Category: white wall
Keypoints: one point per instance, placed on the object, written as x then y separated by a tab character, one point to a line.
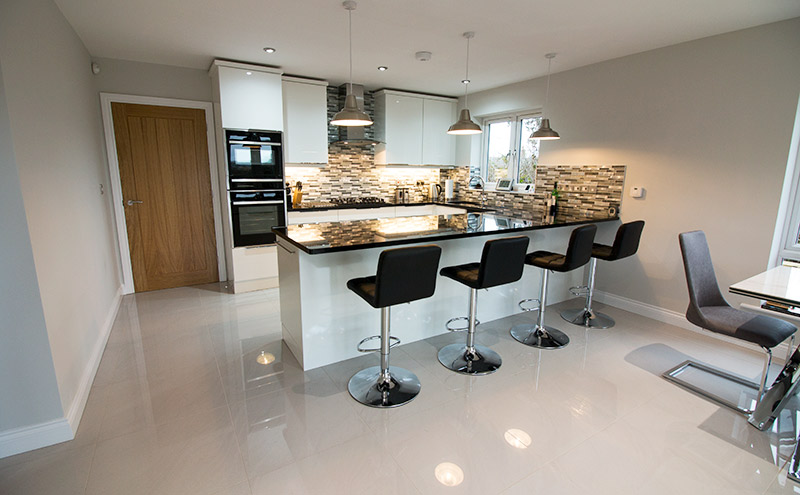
703	126
143	79
28	392
54	112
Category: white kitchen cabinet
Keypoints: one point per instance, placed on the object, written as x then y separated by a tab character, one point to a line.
305	118
249	96
313	216
438	147
255	268
412	129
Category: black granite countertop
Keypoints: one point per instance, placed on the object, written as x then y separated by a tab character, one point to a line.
319	238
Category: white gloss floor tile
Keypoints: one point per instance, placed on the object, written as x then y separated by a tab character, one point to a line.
180	404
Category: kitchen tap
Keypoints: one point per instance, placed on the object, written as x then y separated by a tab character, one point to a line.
483	188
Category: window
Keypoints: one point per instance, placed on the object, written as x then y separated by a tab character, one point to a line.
786	239
507	151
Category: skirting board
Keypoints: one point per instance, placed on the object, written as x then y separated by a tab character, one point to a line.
676	319
63	429
79	402
34	437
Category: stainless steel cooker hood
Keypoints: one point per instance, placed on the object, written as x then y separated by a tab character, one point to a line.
354	134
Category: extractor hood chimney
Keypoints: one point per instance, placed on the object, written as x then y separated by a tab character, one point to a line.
354	134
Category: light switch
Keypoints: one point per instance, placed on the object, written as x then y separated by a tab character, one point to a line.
637	192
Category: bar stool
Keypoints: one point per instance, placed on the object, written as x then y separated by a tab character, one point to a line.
404	275
626	243
501	263
579	251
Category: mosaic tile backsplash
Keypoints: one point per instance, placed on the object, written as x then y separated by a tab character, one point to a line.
351	173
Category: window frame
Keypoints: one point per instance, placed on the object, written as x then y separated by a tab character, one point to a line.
515	119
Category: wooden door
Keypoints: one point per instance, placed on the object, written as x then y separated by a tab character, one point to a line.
166	189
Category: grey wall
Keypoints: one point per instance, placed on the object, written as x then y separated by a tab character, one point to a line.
28	392
54	115
704	127
143	79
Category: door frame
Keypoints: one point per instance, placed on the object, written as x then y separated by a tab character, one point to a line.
116	184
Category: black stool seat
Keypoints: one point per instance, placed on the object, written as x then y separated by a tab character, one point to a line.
579	251
502	262
466	274
626	243
403	275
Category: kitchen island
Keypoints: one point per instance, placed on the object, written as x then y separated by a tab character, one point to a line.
323	321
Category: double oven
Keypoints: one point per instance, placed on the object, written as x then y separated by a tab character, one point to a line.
255	185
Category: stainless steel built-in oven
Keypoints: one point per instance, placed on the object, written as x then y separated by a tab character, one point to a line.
254	156
254	212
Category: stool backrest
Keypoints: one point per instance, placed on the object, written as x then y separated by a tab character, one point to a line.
700	277
579	250
626	243
406	274
502	261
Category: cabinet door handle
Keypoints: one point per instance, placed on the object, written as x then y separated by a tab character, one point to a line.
132	202
284	247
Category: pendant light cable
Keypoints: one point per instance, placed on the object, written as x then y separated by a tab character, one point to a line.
545	132
350	35
351	114
465	125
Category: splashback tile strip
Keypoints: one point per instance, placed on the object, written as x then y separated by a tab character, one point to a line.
352	173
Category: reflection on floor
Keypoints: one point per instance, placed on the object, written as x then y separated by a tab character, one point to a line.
197	395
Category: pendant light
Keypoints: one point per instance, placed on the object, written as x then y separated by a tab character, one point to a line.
465	125
544	132
351	115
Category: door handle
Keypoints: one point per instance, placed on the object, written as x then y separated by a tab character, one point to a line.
132	202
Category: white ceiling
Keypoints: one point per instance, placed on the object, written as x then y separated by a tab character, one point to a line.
511	39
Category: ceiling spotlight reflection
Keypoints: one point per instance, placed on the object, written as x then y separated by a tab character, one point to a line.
518	438
265	358
449	474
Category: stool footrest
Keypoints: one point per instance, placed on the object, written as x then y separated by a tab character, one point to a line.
579	290
526	301
395	342
459	329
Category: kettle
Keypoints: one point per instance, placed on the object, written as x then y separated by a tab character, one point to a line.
434	191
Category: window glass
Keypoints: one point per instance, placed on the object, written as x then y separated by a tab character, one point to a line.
528	150
498	151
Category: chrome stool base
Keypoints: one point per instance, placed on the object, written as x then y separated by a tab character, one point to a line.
456	357
588	319
540	337
367	387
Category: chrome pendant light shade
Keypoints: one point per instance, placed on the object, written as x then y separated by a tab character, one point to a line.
544	132
351	115
465	125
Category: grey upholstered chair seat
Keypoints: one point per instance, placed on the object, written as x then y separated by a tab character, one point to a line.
763	330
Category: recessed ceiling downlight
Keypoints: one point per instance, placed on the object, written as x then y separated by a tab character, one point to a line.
383	68
269	49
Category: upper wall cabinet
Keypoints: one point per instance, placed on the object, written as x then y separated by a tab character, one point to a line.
413	129
249	95
305	119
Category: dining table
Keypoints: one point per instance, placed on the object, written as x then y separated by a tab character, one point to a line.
779	287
